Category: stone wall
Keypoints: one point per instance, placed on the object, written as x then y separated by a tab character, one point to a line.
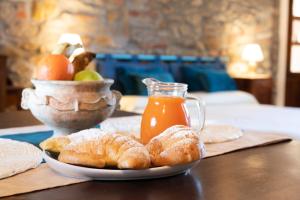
30	28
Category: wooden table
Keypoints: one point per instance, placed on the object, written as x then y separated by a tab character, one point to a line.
270	172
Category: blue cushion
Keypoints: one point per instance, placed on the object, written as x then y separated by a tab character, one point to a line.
109	67
137	77
34	138
210	80
176	68
128	86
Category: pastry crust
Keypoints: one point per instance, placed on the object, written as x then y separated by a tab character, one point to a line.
108	150
85	153
176	145
96	148
55	144
100	150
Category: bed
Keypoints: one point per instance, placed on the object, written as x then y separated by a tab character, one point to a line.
233	107
135	103
244	111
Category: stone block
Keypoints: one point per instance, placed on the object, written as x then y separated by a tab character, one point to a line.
43	9
30	29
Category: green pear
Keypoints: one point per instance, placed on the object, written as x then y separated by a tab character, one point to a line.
87	75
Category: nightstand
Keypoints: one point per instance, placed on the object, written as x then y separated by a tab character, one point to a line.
10	96
260	86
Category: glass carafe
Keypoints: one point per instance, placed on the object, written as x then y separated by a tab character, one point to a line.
167	106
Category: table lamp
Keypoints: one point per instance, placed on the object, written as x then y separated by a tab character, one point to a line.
252	53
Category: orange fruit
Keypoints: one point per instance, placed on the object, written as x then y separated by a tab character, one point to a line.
54	67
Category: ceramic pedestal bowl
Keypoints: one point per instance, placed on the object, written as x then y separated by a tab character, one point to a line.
71	106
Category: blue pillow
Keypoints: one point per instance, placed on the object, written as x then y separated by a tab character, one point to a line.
210	80
185	74
141	88
127	83
189	77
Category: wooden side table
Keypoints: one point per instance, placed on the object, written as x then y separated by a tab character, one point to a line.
10	96
260	87
2	82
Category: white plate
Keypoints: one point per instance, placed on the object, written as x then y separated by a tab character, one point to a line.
114	174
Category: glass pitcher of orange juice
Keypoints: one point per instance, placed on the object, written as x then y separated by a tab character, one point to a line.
167	107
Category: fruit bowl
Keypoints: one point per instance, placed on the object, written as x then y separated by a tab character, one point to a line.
70	106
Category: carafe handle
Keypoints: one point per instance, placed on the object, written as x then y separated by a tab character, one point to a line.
200	112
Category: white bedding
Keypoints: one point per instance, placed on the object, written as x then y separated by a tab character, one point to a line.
238	109
283	120
137	103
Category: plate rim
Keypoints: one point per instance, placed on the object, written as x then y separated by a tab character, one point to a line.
116	171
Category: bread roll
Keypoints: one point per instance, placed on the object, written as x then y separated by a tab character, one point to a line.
55	144
176	145
97	148
108	150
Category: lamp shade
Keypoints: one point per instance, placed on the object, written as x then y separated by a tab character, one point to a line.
296	8
252	53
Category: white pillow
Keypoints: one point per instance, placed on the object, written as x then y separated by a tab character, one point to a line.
134	103
226	98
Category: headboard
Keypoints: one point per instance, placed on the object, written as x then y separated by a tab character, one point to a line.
107	64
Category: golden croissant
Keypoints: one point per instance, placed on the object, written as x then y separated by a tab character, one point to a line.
102	150
95	148
176	145
55	144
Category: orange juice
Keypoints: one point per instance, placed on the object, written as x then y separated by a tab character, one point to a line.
161	113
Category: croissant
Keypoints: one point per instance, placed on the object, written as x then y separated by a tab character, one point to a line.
55	144
96	148
176	145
